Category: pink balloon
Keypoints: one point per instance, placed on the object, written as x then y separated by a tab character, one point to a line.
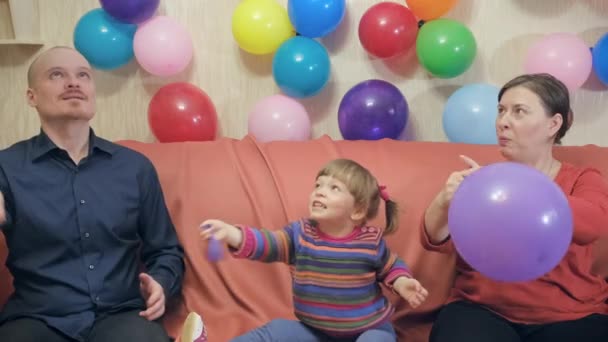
563	55
279	117
162	46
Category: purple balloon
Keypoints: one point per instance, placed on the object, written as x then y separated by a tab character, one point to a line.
372	110
510	222
130	11
215	250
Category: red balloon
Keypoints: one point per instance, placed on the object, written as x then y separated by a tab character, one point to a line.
182	112
388	29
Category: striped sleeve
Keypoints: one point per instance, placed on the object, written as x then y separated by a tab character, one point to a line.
268	245
390	266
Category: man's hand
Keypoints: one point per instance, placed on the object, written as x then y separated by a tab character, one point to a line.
411	290
154	295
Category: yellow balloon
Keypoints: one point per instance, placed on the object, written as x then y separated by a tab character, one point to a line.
261	26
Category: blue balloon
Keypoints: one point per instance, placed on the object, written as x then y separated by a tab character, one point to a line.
600	59
104	41
316	18
301	67
469	115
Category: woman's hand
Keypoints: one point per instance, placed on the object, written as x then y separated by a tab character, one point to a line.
436	215
455	179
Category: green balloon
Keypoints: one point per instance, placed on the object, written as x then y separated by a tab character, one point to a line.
445	47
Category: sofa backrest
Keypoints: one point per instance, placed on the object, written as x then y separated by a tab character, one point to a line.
242	181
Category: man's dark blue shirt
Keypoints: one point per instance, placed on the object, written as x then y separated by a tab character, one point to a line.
79	235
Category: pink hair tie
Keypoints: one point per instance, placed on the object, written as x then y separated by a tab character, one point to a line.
383	192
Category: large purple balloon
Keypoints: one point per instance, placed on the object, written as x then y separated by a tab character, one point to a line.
130	11
372	110
510	222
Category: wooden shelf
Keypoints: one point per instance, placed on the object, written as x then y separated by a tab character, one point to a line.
25	19
21	42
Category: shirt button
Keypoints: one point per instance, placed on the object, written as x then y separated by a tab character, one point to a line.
97	299
82	202
91	267
86	235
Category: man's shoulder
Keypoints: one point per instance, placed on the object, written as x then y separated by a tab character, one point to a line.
17	151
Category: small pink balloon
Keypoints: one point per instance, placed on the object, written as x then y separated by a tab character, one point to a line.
563	55
279	117
162	46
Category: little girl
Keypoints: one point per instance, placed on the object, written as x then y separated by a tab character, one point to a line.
338	261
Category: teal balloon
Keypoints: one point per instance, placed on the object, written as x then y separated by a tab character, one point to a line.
104	41
469	115
301	67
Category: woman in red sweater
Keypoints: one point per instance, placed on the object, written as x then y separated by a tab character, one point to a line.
569	302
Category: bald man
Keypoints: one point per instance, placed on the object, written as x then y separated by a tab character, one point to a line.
81	217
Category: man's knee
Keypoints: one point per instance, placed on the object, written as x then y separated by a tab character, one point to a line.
128	326
29	330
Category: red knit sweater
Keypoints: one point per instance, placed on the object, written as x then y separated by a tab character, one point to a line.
570	291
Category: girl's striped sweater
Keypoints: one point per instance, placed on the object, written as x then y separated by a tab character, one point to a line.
335	280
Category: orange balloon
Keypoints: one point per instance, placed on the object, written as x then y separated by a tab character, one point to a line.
430	9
